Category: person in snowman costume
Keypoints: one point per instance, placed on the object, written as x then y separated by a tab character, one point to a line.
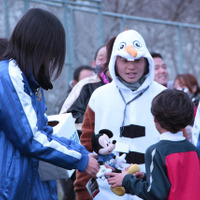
123	107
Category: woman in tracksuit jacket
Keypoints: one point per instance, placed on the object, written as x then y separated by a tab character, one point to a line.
36	49
123	106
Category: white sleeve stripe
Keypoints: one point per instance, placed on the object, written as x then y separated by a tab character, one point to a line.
42	139
16	78
151	169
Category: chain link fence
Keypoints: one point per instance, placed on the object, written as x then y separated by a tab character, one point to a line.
88	27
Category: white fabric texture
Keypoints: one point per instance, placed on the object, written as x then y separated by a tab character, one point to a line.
196	127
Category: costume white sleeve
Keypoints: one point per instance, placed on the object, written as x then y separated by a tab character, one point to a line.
196	127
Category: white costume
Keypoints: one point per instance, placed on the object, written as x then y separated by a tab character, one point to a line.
114	105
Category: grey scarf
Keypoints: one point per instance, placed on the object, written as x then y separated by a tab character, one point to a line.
133	86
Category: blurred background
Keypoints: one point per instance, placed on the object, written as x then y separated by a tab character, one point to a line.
170	28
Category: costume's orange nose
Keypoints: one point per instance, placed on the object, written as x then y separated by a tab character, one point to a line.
131	50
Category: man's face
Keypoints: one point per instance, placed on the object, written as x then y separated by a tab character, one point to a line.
130	71
161	74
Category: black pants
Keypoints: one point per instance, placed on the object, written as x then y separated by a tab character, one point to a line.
68	187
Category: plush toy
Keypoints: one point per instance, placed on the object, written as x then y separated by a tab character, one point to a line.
103	146
120	191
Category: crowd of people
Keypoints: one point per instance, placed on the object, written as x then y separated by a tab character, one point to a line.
127	90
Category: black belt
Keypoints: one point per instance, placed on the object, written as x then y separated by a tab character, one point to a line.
134	157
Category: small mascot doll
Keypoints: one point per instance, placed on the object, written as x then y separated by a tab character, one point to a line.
103	146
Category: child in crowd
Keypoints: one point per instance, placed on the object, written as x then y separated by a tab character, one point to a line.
172	164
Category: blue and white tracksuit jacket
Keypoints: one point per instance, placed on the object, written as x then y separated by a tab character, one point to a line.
25	138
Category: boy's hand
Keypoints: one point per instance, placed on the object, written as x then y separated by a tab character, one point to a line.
139	174
103	170
135	171
115	179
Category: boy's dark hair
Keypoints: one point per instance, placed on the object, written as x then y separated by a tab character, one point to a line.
78	70
173	109
156	55
38	46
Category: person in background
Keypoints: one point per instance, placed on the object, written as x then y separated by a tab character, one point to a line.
161	74
3	45
35	55
99	59
123	107
76	102
79	74
195	131
172	164
189	84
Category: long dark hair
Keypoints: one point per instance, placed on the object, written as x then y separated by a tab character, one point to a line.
3	45
38	46
109	46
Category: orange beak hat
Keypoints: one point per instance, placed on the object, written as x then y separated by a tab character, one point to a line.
130	45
